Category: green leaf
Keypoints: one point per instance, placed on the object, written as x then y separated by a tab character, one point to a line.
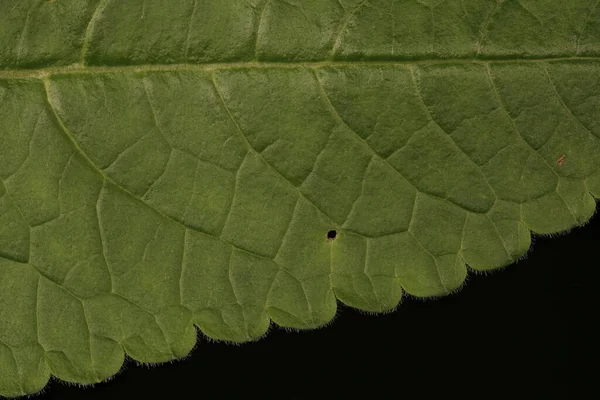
172	164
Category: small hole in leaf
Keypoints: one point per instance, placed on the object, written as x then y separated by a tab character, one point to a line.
331	235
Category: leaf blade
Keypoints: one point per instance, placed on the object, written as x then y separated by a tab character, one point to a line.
161	183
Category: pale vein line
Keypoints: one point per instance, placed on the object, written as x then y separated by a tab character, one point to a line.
392	4
19	374
318	158
15	203
79	299
230	276
189	30
237	300
300	194
153	111
510	257
60	184
99	171
194	192
153	314
339	118
462	238
512	121
485	27
19	48
172	148
259	28
308	304
37	307
151	241
73	267
288	229
593	10
435	262
160	177
29	226
183	263
433	32
75	144
42	73
577	121
422	100
253	150
530	13
464	9
408	231
499	99
562	102
412	212
87	325
29	145
235	186
336	114
368	241
362	191
338	37
82	301
87	159
89	30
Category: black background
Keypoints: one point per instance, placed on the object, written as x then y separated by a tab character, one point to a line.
527	330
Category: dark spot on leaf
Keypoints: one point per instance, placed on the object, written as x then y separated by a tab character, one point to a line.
331	235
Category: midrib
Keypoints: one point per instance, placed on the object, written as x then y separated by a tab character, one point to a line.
81	69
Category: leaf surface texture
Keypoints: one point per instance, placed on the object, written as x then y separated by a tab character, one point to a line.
172	164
